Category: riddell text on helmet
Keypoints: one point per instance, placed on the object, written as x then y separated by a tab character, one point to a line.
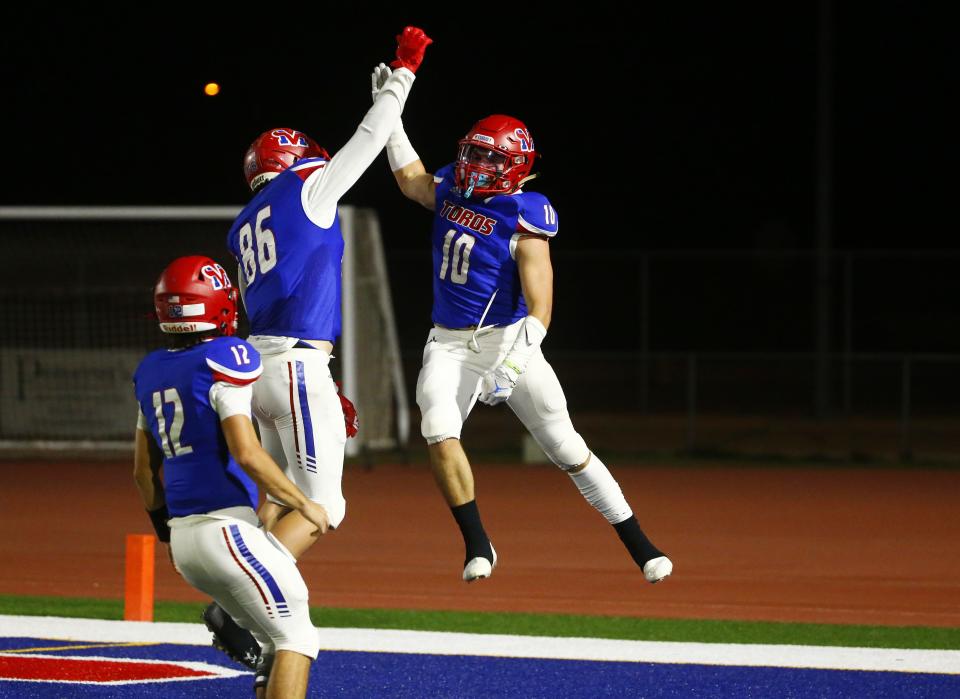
180	327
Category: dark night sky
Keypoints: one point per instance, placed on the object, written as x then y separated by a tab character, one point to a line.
668	128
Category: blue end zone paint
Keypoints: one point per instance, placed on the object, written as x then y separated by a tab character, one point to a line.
411	676
355	675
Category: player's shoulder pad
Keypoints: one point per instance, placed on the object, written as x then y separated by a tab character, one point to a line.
444	174
537	214
233	360
304	168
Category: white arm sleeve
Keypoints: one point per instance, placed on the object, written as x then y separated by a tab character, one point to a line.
142	421
324	187
400	151
228	399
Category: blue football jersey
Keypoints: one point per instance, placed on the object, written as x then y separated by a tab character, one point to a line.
173	390
291	265
473	244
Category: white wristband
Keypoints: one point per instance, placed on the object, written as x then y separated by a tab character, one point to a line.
528	340
400	151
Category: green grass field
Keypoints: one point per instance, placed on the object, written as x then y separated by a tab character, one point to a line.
625	628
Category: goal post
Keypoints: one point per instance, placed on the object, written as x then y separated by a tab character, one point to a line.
74	304
372	366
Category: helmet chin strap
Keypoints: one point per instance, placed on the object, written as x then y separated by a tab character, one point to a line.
527	179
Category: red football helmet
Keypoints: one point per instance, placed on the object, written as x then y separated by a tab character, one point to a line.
495	156
276	150
194	294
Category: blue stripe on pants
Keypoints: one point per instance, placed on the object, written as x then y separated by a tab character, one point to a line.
260	569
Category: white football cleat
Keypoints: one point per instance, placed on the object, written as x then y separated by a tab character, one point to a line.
654	570
479	567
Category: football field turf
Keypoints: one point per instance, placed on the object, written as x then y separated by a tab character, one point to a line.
79	648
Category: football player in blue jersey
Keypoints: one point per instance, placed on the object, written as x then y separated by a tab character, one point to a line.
289	247
493	300
197	463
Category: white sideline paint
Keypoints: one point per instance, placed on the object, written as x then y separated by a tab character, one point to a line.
445	643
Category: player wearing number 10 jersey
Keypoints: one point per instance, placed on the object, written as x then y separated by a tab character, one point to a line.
493	301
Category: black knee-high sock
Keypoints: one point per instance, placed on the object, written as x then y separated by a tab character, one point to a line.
475	539
636	541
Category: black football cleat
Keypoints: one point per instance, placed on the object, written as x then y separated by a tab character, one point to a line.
234	640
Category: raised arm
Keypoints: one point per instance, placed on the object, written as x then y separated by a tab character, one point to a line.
411	174
324	188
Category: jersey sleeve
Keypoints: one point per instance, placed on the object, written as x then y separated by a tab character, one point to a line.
443	182
228	399
537	215
233	361
444	175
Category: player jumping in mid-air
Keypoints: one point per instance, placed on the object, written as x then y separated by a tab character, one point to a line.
288	245
194	423
493	299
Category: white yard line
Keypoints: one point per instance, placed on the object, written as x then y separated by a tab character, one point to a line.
445	643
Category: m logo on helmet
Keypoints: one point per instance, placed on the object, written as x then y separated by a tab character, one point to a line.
217	276
526	143
289	138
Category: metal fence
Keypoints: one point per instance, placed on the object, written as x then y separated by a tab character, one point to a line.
673	350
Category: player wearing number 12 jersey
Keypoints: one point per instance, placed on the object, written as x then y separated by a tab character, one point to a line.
194	426
493	300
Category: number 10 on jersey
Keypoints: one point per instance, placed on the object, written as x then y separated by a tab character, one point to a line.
457	261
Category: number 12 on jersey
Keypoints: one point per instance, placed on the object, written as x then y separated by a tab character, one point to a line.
170	441
457	261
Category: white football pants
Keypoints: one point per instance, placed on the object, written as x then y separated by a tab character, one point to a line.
226	555
301	424
449	384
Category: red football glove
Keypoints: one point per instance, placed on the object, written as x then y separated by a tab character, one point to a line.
411	43
350	418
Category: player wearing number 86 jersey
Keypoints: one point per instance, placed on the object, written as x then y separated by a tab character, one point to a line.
289	247
289	254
